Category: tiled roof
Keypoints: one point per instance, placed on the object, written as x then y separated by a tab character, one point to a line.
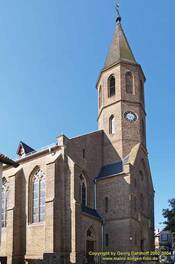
110	170
90	211
6	160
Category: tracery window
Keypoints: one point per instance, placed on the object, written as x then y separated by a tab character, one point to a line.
38	196
112	124
111	86
4	202
83	190
129	82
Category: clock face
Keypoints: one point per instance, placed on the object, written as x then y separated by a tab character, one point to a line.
130	116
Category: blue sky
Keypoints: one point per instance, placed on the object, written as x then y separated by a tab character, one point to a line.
51	53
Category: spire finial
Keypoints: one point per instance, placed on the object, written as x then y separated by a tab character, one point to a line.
117	7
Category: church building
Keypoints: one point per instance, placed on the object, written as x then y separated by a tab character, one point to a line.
89	193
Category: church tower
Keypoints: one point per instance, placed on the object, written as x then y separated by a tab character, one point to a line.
121	110
125	193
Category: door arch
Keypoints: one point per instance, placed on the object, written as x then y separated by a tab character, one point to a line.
90	244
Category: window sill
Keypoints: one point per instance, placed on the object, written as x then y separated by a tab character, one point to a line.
36	224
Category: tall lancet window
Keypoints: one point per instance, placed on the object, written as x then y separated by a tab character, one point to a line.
83	190
38	196
112	124
4	202
129	82
111	86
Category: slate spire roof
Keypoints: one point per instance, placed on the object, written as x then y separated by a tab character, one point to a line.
24	149
120	49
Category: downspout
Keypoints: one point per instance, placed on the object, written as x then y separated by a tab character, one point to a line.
102	222
102	235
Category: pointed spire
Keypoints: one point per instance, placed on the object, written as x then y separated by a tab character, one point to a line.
120	49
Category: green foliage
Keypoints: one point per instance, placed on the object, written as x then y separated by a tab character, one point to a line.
169	214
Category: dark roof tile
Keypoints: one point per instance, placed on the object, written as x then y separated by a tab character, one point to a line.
90	211
110	170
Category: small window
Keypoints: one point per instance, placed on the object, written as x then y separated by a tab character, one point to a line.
106	204
84	153
100	97
135	182
141	175
107	240
129	82
141	91
83	190
112	124
111	86
142	202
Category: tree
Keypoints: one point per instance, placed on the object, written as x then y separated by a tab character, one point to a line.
169	214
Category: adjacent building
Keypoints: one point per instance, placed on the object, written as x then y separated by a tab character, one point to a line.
3	160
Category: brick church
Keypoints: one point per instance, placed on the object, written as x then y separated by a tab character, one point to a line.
89	193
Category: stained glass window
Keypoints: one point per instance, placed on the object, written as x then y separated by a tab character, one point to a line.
38	196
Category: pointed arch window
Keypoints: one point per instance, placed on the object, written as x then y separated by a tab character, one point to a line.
83	190
38	196
100	97
112	124
111	86
129	82
4	202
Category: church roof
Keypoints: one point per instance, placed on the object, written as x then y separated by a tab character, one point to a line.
90	211
110	170
120	49
5	160
27	149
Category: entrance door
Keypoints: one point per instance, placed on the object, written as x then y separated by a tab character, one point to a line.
89	247
142	245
